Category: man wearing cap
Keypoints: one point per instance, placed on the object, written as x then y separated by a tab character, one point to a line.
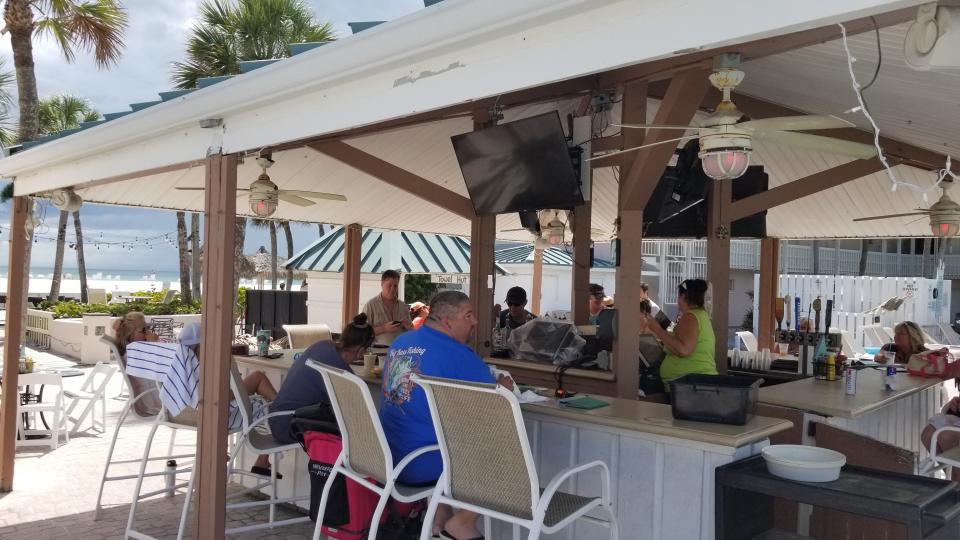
595	303
515	315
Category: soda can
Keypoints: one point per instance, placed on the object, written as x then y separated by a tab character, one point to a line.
851	388
891	371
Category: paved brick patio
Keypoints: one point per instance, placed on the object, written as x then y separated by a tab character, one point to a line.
55	491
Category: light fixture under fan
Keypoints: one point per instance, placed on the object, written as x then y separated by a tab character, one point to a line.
726	142
66	200
264	196
553	232
944	214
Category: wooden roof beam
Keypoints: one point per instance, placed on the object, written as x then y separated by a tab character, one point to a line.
397	177
682	98
802	187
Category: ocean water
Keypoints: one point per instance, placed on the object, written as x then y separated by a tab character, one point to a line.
100	274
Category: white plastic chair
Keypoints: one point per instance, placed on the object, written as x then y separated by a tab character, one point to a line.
258	442
303	335
948	459
360	428
117	297
92	390
849	346
748	339
488	466
97	296
51	382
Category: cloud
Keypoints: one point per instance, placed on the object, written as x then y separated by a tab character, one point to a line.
156	38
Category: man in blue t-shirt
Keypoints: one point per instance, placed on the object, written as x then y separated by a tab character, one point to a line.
437	349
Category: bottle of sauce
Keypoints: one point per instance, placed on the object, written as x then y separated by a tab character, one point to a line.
831	367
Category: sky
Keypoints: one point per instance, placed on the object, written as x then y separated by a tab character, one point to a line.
156	37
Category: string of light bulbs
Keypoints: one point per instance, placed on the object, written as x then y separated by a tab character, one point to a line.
862	107
96	240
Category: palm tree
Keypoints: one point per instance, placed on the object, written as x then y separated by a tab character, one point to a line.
91	25
272	226
64	111
59	113
231	32
288	234
8	135
185	289
195	254
81	262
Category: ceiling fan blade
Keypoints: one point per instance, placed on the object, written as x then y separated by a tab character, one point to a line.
516	230
817	143
635	148
294	199
314	194
653	126
888	216
796	123
189	188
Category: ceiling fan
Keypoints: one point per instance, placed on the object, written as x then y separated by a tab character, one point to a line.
944	214
726	138
264	195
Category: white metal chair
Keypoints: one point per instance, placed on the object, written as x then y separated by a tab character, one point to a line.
849	346
748	339
950	337
365	458
92	390
258	442
937	461
188	419
304	335
874	336
51	382
488	466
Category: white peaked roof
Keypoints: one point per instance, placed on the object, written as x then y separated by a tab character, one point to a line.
374	91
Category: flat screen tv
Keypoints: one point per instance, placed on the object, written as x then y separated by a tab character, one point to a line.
518	166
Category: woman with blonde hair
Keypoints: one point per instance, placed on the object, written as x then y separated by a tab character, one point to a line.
907	341
132	327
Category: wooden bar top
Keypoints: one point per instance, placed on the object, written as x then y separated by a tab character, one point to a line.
828	398
640	416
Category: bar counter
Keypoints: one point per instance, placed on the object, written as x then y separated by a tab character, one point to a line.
661	469
895	417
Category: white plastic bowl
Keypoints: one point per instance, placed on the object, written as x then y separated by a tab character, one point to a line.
803	463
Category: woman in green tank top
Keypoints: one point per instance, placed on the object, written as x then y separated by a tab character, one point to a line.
690	347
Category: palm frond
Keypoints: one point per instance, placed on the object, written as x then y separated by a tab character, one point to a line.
97	26
64	111
229	33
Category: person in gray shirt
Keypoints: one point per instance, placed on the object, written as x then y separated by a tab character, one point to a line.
304	386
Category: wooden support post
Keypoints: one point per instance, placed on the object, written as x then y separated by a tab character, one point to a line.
16	277
718	265
582	130
626	345
353	240
768	294
220	208
580	293
483	231
537	288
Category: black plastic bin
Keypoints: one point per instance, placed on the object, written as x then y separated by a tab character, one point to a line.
723	399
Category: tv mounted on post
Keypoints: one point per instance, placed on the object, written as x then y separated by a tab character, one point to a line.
518	166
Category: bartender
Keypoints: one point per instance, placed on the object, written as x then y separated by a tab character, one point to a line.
389	316
595	303
515	315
